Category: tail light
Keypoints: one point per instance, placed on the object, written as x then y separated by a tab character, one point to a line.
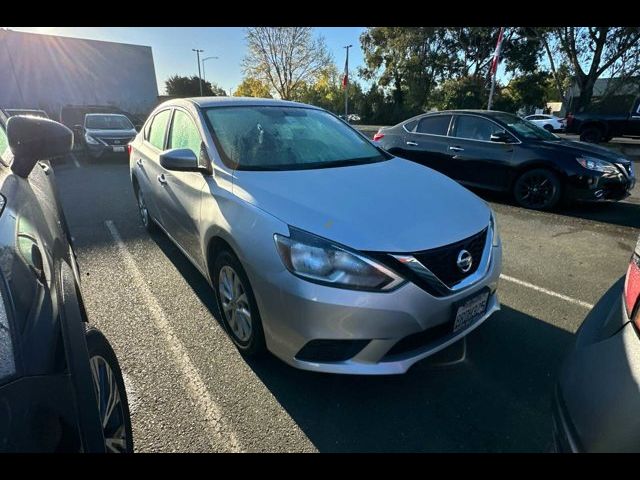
129	149
378	136
632	285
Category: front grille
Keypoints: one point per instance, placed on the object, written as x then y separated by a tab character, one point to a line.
330	350
442	261
116	141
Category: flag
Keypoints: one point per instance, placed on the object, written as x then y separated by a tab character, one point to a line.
496	54
345	78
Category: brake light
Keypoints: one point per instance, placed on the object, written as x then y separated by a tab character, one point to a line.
632	287
378	136
569	119
129	149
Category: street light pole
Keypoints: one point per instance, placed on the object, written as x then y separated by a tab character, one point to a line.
346	84
198	52
204	77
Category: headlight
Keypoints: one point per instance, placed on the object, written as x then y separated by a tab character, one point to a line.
496	233
7	357
90	140
592	163
322	261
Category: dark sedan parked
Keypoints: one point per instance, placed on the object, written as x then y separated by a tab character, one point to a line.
500	151
61	388
597	399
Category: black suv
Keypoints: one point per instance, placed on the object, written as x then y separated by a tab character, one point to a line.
61	388
503	152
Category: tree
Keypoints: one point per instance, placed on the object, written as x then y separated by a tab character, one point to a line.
252	87
464	92
591	52
285	57
190	87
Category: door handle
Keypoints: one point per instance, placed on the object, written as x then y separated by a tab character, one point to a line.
139	162
456	149
45	168
413	144
162	179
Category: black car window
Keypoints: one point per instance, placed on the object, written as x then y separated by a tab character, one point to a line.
184	133
475	128
410	126
158	129
434	125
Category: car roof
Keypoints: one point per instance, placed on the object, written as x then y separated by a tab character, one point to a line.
207	102
105	115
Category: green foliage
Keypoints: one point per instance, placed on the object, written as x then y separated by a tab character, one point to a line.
179	86
252	87
464	92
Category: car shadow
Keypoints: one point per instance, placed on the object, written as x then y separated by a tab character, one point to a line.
496	398
624	213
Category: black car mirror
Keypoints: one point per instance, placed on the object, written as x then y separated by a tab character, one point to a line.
36	138
180	160
501	137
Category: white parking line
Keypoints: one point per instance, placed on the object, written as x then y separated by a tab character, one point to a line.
75	160
211	412
548	292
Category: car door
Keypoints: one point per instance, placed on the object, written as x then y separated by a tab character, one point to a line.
183	190
634	119
473	158
427	144
147	163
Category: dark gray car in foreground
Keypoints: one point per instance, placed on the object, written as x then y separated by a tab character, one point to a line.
61	389
597	398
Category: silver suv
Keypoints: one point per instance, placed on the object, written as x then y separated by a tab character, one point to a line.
320	246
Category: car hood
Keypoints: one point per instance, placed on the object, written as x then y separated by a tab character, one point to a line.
94	132
390	206
583	148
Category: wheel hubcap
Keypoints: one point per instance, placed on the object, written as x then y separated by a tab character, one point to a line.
109	405
235	303
144	213
536	190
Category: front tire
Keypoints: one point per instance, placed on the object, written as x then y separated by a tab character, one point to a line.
110	392
538	189
548	127
237	305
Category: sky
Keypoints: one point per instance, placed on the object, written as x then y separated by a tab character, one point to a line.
172	48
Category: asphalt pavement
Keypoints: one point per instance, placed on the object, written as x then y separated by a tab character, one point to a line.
190	390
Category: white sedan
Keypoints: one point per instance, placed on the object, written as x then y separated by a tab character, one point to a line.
548	122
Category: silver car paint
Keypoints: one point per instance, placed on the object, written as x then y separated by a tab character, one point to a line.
417	209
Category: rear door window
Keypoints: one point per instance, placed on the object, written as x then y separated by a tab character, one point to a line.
434	125
159	128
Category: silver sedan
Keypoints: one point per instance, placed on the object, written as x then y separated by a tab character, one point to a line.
320	246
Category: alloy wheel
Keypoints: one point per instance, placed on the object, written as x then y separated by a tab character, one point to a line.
142	207
235	303
112	415
536	190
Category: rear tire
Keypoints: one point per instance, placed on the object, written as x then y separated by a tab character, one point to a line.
145	216
237	305
592	135
538	189
109	387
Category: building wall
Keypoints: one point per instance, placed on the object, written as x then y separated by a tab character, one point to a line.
47	72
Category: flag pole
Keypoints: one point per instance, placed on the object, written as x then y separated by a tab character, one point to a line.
345	83
494	67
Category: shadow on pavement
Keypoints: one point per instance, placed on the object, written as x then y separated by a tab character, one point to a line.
497	399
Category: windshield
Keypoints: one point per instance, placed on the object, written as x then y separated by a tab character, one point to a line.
287	138
524	128
108	122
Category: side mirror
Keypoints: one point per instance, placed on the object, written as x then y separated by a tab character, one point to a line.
179	160
36	138
501	137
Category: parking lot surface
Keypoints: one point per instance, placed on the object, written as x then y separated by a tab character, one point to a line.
191	391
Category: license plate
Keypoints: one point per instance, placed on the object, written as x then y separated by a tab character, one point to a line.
470	310
118	149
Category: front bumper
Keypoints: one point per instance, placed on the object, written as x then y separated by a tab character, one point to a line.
296	313
597	396
594	187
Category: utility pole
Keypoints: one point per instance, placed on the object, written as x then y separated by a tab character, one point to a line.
198	52
345	84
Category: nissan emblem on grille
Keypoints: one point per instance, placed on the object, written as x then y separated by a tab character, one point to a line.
465	261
